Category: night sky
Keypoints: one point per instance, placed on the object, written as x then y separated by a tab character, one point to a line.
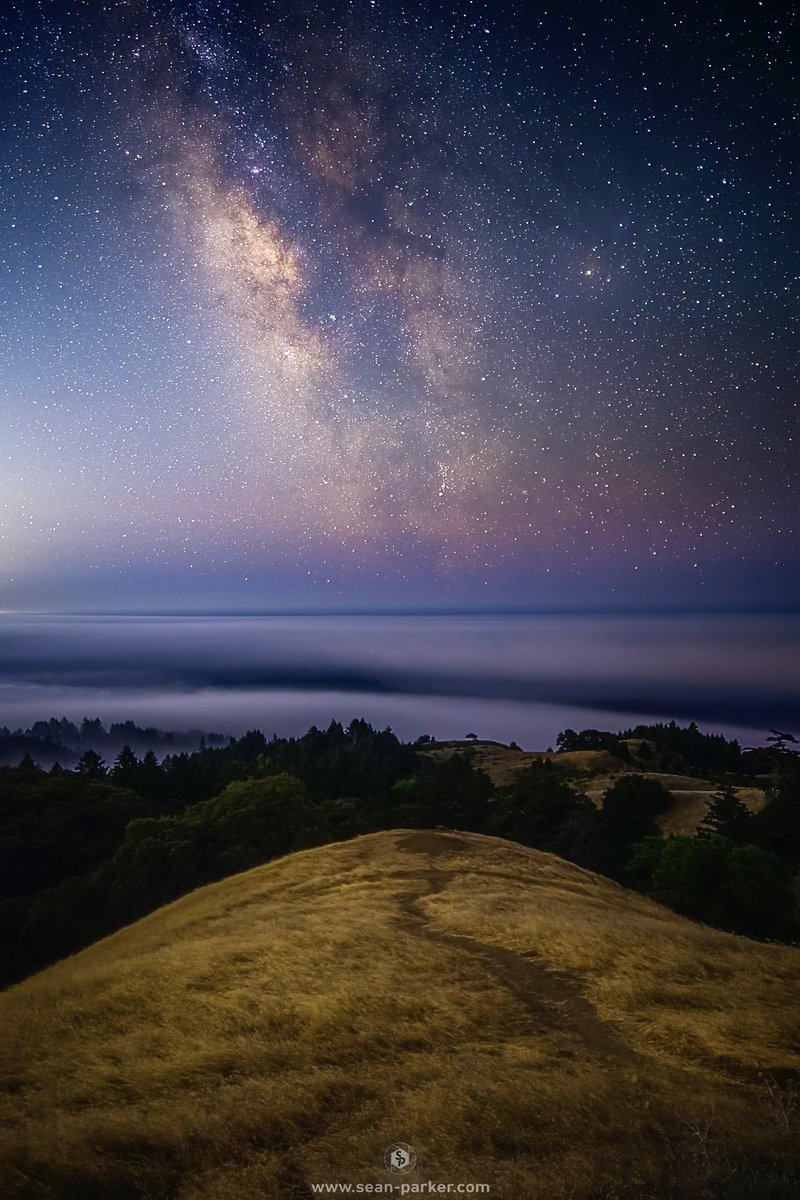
330	306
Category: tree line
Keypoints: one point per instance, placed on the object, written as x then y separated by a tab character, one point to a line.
59	740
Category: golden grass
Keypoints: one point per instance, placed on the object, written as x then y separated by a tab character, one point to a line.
519	1021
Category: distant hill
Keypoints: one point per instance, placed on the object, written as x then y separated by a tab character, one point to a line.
597	770
519	1021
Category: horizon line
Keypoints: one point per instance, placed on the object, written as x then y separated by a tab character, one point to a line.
387	611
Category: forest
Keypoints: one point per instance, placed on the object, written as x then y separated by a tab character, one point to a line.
87	850
62	741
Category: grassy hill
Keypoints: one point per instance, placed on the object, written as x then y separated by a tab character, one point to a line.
519	1021
597	770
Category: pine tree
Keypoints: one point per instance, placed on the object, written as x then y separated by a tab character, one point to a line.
728	817
126	764
91	765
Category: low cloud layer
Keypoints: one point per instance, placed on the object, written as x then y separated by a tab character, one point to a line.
737	671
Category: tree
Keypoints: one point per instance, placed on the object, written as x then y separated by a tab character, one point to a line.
126	764
250	822
628	816
728	817
777	826
685	873
449	791
686	749
783	743
251	745
159	859
592	739
739	888
542	809
91	766
150	779
253	820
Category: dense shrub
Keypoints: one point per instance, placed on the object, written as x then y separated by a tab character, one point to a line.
739	888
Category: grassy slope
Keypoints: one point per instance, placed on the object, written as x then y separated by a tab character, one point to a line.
597	771
518	1020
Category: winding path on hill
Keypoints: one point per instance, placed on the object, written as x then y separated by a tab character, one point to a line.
552	1000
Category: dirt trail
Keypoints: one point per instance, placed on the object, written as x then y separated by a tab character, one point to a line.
552	1001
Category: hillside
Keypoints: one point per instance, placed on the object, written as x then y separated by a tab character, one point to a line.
597	770
519	1021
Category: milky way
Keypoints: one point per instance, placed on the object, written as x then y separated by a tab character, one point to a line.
371	304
